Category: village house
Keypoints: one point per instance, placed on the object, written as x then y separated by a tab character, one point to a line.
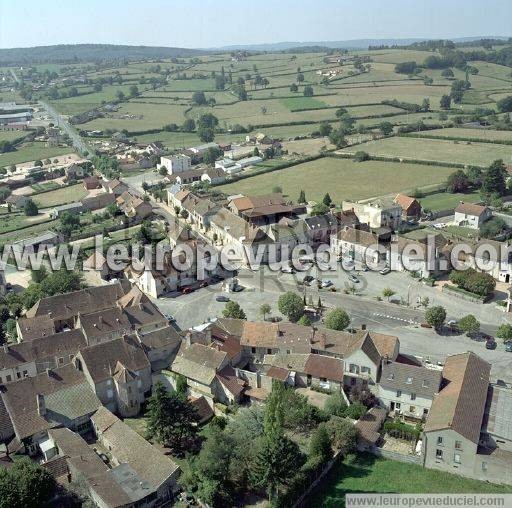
75	172
321	228
119	372
408	390
133	206
71	208
115	187
148	469
463	433
470	215
208	373
378	213
213	176
17	201
178	163
97	202
368	427
91	182
359	245
411	207
33	405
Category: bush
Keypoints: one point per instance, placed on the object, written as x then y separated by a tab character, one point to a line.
337	319
401	430
343	434
335	405
361	156
435	316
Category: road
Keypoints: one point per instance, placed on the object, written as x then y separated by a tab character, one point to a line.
61	122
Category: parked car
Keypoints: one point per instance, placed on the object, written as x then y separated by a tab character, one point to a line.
353	278
186	290
287	269
170	318
308	279
439	225
221	298
508	347
326	283
490	344
385	270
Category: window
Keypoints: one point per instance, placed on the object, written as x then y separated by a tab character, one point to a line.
391	377
458	445
439	440
484	466
399	393
1	381
413	396
61	360
398	405
18	375
456	458
425	383
439	454
353	369
408	381
9	378
425	412
253	350
412	409
269	351
25	373
365	369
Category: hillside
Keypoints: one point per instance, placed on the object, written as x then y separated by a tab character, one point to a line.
67	53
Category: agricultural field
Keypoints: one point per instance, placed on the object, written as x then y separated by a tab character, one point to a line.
462	133
17	220
344	179
60	196
12	135
365	473
481	154
31	152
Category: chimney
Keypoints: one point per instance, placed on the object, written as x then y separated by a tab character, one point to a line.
363	326
41	406
49	372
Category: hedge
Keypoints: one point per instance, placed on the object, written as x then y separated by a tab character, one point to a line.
456	289
454	138
402	430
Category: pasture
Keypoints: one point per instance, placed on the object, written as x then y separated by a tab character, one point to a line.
344	179
60	196
31	152
438	150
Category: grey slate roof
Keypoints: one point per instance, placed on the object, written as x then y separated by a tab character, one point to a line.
410	378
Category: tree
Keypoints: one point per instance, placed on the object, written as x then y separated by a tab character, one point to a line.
264	310
308	91
425	105
294	88
199	98
211	155
388	293
505	105
134	91
320	444
291	305
325	129
300	77
120	96
302	197
469	324
38	275
337	138
447	73
304	320
327	201
170	418
505	332
494	179
337	319
343	434
435	316
30	208
386	128
475	175
319	209
189	125
233	310
335	405
361	156
60	282
206	134
445	102
493	227
457	182
163	171
26	484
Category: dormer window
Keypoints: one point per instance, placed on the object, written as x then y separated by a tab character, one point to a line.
408	381
391	377
425	383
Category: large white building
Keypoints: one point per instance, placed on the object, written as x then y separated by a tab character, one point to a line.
175	163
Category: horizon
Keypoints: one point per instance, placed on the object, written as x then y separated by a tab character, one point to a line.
300	21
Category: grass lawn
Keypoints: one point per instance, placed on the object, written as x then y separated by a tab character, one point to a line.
342	178
45	186
16	220
60	196
447	200
302	103
437	150
20	234
32	152
12	135
368	474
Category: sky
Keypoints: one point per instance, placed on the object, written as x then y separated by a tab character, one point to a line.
215	23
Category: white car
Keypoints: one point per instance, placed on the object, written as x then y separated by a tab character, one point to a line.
326	283
440	225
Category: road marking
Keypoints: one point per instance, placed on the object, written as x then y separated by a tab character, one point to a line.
410	321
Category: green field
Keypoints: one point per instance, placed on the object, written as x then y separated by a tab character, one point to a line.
12	135
368	474
15	220
437	150
344	179
462	133
447	200
301	103
60	196
30	152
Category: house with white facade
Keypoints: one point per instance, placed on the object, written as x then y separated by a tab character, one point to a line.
471	216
